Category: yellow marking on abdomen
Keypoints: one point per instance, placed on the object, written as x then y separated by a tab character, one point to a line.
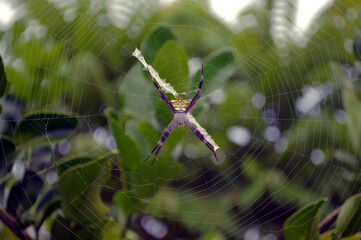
179	104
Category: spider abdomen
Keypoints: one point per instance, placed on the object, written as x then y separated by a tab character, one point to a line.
179	104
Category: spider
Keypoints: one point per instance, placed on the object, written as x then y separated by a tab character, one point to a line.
179	108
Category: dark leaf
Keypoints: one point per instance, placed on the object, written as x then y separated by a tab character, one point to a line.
41	158
47	205
218	67
3	79
24	194
43	128
154	42
71	161
357	47
80	181
6	147
61	229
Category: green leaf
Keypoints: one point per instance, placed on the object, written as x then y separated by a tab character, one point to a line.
129	153
166	169
3	79
252	193
303	224
127	201
142	179
80	187
313	128
155	40
349	219
71	162
329	236
137	94
214	235
163	114
171	62
237	97
129	156
43	80
7	234
96	76
43	128
104	41
195	210
47	205
273	181
50	16
150	134
35	52
112	230
218	67
153	136
353	115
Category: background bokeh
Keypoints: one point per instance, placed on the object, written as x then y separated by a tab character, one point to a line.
79	114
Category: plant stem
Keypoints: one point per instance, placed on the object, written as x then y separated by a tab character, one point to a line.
330	218
11	223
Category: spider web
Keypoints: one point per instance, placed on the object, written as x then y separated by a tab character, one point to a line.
277	143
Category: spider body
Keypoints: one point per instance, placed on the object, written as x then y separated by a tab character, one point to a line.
180	118
180	108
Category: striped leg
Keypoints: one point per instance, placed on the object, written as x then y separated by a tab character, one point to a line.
198	94
161	94
201	137
161	141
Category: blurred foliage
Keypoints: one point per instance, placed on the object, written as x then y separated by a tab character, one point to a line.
79	115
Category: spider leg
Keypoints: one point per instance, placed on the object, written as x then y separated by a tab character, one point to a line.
201	137
166	133
198	94
195	100
161	94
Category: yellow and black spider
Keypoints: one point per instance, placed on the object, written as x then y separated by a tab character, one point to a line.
179	108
